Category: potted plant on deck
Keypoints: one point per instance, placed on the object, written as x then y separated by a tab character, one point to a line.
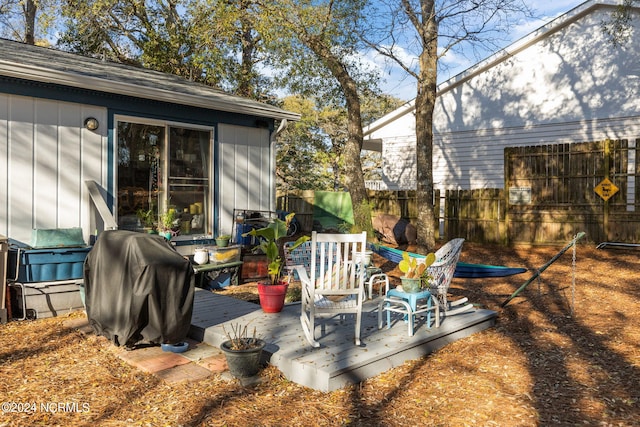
415	272
273	292
243	352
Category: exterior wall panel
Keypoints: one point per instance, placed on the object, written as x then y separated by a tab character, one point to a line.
551	87
46	158
243	171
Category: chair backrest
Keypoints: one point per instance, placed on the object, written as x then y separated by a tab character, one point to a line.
298	256
333	269
443	269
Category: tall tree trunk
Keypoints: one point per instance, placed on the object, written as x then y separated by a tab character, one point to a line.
352	165
354	178
245	75
425	103
29	8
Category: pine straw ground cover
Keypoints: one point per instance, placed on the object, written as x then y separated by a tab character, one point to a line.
554	358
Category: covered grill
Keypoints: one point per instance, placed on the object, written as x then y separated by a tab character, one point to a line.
138	289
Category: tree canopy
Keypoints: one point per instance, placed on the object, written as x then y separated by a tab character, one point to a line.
314	50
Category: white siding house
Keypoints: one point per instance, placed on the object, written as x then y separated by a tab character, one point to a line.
564	83
161	141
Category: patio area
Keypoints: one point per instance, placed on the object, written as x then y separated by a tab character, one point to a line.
338	362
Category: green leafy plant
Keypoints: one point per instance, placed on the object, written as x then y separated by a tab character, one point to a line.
414	269
167	220
147	217
270	237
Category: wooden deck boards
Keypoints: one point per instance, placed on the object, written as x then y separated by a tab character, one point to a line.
338	362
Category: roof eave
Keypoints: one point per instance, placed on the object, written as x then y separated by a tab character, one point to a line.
212	102
406	108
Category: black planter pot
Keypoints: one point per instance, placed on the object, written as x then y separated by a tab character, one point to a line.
243	363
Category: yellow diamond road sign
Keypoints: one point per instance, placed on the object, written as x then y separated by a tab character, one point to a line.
606	189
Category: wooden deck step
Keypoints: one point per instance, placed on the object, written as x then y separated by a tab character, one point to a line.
338	362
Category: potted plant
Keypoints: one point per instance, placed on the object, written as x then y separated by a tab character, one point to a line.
415	272
147	219
167	223
243	352
273	292
223	240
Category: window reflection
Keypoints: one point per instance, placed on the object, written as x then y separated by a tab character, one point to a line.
145	190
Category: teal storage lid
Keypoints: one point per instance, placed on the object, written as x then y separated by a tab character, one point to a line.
57	238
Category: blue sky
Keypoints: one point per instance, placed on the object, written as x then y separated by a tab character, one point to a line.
404	87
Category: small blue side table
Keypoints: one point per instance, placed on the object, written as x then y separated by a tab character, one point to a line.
407	303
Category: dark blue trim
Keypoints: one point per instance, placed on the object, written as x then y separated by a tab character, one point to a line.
111	163
215	176
128	105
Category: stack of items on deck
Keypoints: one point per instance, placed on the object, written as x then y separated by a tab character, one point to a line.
45	276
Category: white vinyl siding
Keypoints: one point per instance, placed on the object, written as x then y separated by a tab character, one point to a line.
479	156
564	83
45	157
244	172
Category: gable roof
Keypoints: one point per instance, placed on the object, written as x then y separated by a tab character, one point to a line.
546	30
47	65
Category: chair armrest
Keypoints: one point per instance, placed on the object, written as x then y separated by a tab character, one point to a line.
377	278
302	274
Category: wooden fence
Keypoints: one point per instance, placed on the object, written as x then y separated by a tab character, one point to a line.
549	196
553	192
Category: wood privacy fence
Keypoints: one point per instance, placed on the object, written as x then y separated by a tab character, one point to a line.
553	192
549	196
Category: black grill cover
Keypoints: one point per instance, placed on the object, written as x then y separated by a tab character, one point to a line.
138	289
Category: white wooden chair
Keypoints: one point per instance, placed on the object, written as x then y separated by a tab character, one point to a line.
301	255
333	284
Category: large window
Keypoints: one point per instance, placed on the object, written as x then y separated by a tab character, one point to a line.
163	168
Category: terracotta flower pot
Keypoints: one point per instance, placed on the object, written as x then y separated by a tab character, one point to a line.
272	296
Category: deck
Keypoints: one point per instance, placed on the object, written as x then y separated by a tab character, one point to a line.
338	362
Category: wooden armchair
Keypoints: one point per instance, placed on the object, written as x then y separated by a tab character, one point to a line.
333	283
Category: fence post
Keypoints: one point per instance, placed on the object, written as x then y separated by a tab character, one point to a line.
605	207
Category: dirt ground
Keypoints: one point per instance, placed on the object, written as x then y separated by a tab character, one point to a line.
565	352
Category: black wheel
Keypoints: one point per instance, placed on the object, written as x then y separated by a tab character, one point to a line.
293	229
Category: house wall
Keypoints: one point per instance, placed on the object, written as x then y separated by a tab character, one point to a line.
562	84
244	172
46	154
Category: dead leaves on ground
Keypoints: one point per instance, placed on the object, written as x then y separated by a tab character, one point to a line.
550	360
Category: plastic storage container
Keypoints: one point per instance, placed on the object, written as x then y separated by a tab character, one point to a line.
46	299
223	255
46	265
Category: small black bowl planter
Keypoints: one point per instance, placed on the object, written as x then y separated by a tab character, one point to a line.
244	362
